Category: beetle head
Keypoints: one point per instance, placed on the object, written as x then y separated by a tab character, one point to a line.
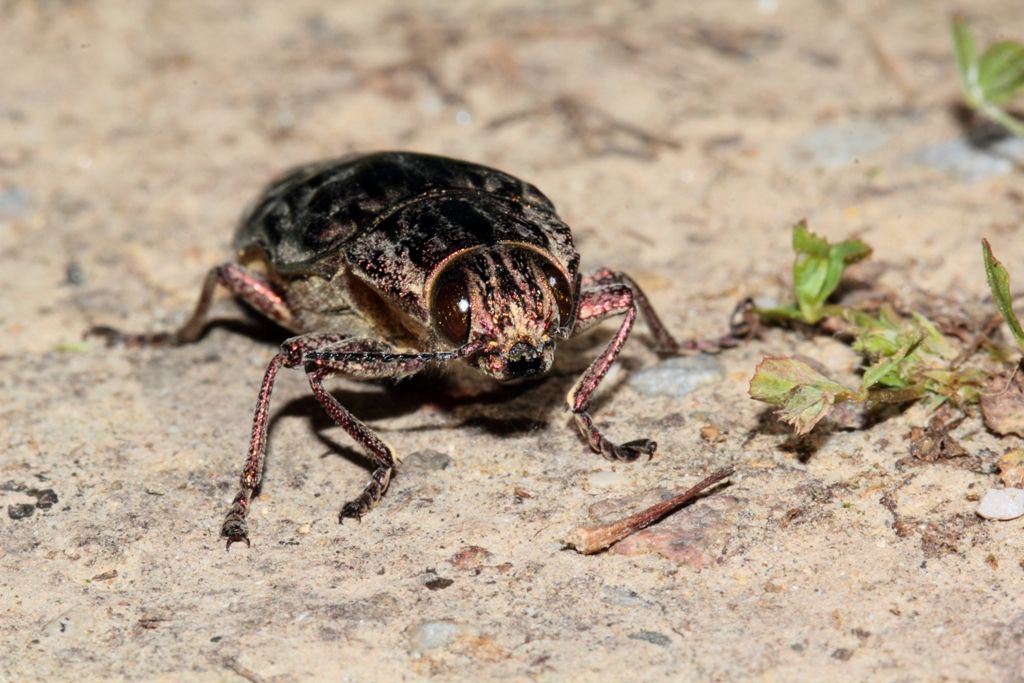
509	300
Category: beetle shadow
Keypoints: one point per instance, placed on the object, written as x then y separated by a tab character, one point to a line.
247	323
497	409
467	399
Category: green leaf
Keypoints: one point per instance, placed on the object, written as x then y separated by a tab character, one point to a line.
818	268
999	283
1001	72
877	372
804	395
806	242
966	58
992	80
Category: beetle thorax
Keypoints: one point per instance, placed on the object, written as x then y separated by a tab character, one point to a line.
508	299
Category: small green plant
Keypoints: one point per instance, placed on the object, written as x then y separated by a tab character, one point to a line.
991	81
999	283
906	356
817	270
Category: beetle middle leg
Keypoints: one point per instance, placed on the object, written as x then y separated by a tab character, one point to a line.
322	355
604	294
240	281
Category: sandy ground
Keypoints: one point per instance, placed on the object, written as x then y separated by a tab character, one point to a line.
680	143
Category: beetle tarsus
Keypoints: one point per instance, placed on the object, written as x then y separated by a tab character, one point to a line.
235	529
368	499
626	452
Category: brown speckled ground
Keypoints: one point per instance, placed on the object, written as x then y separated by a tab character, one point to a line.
680	142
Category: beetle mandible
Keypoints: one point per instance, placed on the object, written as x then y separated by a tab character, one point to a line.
386	263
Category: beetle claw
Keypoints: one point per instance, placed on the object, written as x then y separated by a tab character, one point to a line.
234	531
354	509
632	450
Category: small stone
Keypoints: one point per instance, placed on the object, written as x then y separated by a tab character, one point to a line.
652	637
425	461
73	273
677	377
1011	468
14	202
433	635
20	511
1002	504
839	144
971	162
623	597
45	498
470	557
438	583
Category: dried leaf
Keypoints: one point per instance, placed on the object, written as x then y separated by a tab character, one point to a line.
1011	468
1002	405
803	394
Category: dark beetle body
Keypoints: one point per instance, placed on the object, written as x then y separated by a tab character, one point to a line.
392	220
388	263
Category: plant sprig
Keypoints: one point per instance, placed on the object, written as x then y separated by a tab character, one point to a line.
906	357
990	81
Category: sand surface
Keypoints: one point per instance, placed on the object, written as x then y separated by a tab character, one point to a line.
681	141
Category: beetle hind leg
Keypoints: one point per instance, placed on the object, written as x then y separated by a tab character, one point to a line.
241	282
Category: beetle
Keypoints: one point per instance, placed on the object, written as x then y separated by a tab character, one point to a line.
387	263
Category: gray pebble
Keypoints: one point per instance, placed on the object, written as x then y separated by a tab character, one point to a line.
426	461
1002	504
835	145
432	635
677	377
20	511
651	637
969	162
14	202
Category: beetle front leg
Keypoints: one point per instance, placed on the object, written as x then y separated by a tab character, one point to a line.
605	294
241	282
323	355
596	282
379	452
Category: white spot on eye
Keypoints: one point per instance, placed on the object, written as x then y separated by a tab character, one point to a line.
551	280
463	305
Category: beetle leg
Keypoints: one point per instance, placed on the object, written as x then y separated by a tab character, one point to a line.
380	453
235	528
665	343
241	282
604	294
323	355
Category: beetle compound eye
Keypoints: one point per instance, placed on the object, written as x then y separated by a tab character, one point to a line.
562	292
450	310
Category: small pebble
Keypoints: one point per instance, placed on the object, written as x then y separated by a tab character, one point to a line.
677	377
20	511
1002	504
14	202
835	145
433	635
652	637
969	162
425	461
